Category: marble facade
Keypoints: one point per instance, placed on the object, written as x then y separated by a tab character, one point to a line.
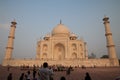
61	47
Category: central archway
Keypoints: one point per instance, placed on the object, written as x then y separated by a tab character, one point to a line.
59	51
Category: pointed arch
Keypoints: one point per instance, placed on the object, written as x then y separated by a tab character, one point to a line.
74	46
59	51
74	55
45	47
44	55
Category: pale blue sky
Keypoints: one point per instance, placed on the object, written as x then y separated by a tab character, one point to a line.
36	18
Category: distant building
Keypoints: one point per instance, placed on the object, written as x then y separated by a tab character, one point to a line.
61	47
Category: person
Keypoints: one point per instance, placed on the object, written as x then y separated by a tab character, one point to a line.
62	78
28	76
34	73
51	70
22	77
9	76
45	73
68	71
87	77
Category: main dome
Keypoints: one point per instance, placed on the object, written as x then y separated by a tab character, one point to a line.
60	29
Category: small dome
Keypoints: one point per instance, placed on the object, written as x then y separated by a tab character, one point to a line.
47	36
73	35
60	29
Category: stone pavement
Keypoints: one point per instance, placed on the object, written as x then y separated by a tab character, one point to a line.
77	74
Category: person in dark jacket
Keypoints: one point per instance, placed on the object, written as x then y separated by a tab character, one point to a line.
9	76
87	77
22	77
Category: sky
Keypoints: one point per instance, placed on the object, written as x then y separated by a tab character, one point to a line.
36	18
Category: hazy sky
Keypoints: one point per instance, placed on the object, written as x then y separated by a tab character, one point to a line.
36	18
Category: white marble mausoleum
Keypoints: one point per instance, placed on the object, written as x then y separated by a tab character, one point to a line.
62	47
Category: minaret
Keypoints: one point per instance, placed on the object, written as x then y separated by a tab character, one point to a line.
11	37
108	34
86	50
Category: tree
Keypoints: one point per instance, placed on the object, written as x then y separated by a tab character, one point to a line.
92	56
105	56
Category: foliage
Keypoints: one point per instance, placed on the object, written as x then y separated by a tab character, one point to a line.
105	56
92	56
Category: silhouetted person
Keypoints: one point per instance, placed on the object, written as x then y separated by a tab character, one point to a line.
87	77
44	73
9	76
28	76
34	73
62	78
22	77
68	71
51	70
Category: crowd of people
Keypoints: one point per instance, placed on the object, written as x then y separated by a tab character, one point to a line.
45	73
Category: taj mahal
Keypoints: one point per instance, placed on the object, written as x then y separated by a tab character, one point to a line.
61	47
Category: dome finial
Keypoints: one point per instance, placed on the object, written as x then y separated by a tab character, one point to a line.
105	16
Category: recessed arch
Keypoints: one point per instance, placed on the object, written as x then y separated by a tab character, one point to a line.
45	47
74	55
74	46
59	51
44	55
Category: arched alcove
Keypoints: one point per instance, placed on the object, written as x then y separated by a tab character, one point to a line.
44	55
74	55
59	51
74	46
45	47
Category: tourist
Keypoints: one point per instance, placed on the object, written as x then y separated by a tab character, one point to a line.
62	78
87	77
68	71
45	73
22	77
9	76
34	73
51	70
28	76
